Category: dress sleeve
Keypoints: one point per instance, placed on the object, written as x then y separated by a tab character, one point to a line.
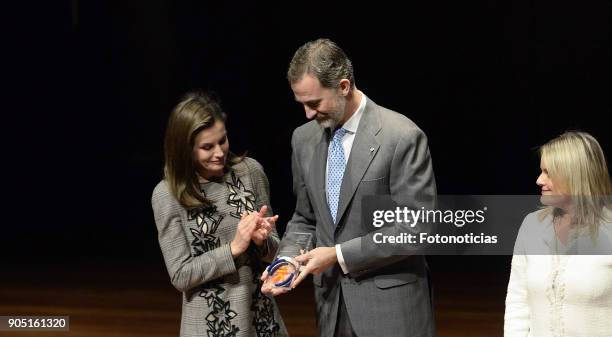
262	188
186	271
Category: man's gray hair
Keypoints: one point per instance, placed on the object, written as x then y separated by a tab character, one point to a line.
324	60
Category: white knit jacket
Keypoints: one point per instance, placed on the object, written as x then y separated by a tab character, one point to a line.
558	295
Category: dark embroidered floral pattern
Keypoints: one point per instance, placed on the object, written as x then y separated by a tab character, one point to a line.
239	197
208	220
262	306
263	309
219	319
203	237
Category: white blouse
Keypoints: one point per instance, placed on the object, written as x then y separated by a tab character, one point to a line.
557	295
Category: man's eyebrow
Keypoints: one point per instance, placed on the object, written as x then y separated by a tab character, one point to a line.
310	102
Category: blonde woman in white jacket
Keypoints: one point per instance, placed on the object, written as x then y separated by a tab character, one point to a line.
561	276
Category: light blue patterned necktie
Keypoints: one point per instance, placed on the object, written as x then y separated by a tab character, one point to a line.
335	171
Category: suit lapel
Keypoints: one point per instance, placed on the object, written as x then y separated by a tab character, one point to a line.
318	166
363	151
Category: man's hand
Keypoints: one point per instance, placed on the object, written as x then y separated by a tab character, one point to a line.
315	261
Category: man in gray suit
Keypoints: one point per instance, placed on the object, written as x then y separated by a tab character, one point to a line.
355	148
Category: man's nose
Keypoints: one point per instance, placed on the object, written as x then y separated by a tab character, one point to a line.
310	113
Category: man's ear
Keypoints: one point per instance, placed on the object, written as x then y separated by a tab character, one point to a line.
345	86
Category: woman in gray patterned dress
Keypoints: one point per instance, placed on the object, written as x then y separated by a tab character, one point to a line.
214	226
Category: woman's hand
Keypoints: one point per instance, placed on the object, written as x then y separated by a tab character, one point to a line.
244	233
265	226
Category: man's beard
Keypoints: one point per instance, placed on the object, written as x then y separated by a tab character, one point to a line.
329	122
333	118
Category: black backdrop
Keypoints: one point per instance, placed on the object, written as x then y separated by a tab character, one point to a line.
92	84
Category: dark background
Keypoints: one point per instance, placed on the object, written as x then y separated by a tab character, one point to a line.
91	85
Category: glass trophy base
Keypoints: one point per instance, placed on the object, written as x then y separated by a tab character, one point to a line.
282	271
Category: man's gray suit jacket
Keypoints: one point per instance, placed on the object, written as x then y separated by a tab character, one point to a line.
386	293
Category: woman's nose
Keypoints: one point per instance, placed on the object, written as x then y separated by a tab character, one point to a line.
218	151
540	180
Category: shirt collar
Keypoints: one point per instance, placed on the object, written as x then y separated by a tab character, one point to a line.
352	123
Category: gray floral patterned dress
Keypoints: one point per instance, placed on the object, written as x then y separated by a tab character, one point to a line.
221	294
